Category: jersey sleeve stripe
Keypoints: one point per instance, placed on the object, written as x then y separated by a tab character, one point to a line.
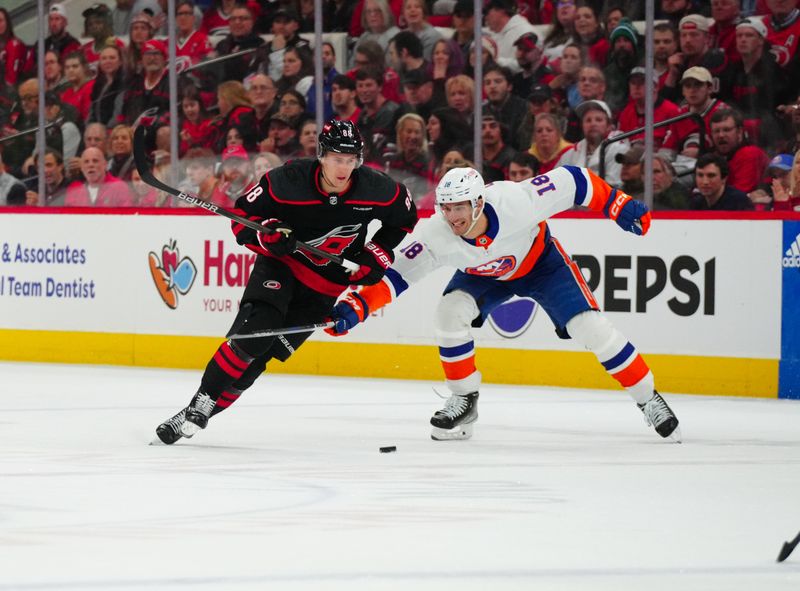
601	191
582	187
396	281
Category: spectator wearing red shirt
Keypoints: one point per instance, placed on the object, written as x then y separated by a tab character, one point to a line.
589	34
79	92
12	51
684	136
665	44
98	26
747	163
196	131
783	29
368	54
726	14
237	177
60	40
192	45
100	188
632	116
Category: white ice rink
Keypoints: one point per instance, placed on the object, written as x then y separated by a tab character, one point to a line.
561	490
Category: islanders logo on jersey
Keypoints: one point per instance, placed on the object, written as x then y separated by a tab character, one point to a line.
513	318
495	268
172	274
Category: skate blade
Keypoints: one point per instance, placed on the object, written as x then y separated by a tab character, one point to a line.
676	436
455	434
188	429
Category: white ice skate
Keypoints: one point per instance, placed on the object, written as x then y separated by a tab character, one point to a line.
658	414
456	420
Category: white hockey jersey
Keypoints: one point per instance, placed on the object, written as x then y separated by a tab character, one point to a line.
514	239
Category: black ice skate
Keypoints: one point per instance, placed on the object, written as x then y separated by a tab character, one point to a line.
658	414
456	419
197	414
170	430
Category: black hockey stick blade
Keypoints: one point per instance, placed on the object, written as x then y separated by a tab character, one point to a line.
143	166
276	331
787	548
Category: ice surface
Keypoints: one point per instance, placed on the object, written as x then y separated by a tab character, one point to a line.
559	490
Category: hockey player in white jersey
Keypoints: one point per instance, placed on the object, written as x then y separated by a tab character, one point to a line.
497	238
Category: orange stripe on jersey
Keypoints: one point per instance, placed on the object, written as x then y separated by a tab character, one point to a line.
376	296
576	272
601	191
458	370
533	254
633	374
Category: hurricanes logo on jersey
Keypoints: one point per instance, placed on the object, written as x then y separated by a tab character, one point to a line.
334	242
495	268
172	274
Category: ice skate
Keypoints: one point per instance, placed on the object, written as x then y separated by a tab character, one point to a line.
456	419
169	431
197	414
658	414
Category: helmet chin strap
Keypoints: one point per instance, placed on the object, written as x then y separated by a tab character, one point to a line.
476	215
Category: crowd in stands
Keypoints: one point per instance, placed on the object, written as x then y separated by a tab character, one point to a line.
559	78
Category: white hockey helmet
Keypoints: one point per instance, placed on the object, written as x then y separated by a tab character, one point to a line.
460	184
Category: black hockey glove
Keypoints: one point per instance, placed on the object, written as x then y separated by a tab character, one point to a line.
373	262
281	240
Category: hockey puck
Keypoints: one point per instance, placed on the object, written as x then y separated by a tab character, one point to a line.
388	449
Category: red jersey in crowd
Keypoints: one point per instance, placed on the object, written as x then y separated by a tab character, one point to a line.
93	56
201	135
686	129
13	54
391	84
748	165
195	48
784	37
81	98
630	119
215	22
111	193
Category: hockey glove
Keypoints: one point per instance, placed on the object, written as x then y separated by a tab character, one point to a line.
630	215
373	262
279	239
346	314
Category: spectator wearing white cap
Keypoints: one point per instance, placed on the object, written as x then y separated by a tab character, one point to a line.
755	84
632	116
683	137
695	50
597	124
59	39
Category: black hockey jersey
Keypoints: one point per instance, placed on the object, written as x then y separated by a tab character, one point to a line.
335	223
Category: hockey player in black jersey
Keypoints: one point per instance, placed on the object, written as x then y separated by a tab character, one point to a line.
327	203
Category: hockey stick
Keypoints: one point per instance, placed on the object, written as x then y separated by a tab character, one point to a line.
276	331
143	167
787	548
